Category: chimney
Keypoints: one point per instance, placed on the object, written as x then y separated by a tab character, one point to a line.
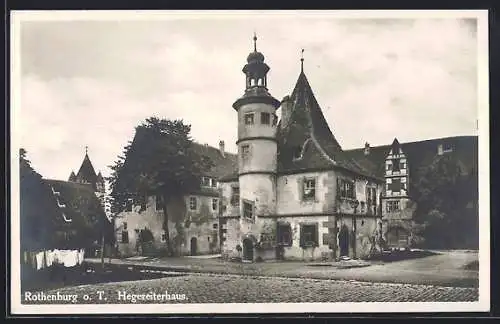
286	111
440	149
221	148
367	148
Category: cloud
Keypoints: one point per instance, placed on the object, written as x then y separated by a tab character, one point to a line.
91	82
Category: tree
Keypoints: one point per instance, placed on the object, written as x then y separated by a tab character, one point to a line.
443	193
37	207
160	162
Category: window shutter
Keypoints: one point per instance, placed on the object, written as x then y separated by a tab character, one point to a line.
301	188
301	236
316	235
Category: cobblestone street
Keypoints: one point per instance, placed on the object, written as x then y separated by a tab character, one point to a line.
202	288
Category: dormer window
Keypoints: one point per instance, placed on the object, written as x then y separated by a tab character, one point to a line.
249	119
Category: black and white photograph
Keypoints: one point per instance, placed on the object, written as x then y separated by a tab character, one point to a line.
249	161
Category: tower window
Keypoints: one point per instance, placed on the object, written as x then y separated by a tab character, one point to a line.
192	203
249	119
247	210
215	204
265	118
245	151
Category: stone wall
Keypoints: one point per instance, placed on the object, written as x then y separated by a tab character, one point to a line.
184	225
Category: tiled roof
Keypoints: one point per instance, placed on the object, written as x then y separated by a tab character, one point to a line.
222	164
309	130
80	208
421	153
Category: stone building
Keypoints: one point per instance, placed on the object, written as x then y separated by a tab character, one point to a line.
193	221
295	193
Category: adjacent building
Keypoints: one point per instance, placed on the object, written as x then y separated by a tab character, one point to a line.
193	221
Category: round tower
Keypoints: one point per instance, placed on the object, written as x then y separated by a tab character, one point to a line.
257	145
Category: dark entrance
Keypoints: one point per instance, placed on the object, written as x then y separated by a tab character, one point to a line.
194	246
344	241
247	249
397	237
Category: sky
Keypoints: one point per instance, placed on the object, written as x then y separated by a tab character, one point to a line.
90	82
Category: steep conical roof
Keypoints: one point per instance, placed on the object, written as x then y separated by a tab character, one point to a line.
308	131
72	177
86	172
100	178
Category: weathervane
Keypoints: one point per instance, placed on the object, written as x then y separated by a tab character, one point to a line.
302	60
254	41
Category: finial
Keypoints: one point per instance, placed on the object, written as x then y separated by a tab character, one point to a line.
302	61
86	149
254	42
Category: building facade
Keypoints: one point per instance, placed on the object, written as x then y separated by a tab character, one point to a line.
295	194
193	220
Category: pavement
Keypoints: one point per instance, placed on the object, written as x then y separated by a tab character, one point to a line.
445	269
205	288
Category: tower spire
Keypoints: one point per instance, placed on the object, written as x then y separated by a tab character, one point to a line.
254	41
302	61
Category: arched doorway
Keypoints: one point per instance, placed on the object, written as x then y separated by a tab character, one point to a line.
247	249
194	246
344	241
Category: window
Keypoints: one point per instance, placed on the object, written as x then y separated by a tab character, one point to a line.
395	185
309	189
235	196
392	206
284	234
371	196
214	183
388	165
215	203
402	165
347	189
396	165
215	226
326	238
249	119
124	236
245	151
159	203
297	152
247	210
309	235
164	237
192	203
124	226
265	118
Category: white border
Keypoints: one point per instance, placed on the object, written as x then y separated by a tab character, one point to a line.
483	131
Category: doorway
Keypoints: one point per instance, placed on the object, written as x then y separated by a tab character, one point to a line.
194	246
247	249
344	241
